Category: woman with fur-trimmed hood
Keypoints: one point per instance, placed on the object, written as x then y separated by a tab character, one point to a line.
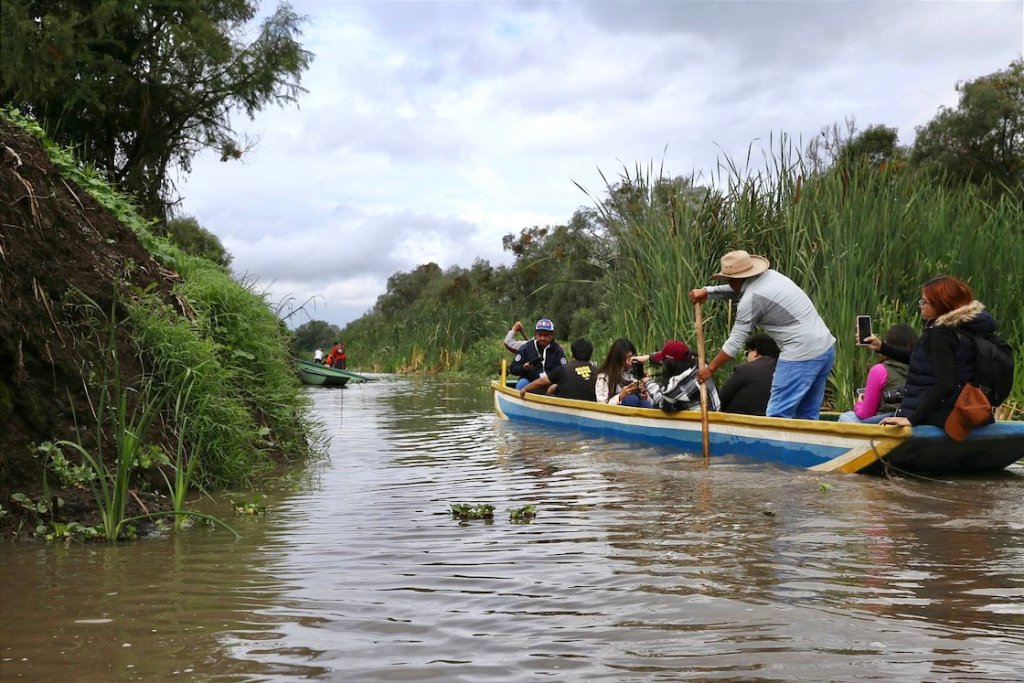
943	360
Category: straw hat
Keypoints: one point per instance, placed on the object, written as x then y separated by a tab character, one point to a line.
740	264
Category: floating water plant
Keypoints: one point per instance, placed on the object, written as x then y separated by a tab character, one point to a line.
465	512
522	515
256	506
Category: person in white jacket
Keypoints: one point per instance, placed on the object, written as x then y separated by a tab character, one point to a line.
615	383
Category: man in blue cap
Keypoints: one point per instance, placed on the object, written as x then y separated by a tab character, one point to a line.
539	355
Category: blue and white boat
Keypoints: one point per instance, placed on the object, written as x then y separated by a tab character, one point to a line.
822	445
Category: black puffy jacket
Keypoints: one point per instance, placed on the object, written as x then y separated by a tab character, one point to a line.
941	363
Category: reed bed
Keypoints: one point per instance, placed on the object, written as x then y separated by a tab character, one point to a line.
858	240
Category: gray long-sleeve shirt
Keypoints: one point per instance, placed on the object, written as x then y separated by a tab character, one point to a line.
777	305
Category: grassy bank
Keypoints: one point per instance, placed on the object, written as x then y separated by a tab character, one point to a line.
209	345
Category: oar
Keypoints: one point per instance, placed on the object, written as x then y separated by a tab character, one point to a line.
705	437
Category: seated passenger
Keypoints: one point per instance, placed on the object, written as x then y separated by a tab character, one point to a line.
332	355
576	379
884	386
539	356
616	385
678	388
750	385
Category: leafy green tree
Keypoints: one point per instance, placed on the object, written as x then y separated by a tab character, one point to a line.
558	273
196	240
140	87
316	334
877	146
404	289
983	137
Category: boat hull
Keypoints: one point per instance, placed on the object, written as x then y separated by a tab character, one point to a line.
993	447
322	376
818	445
353	377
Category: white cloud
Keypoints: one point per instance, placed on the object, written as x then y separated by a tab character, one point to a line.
431	129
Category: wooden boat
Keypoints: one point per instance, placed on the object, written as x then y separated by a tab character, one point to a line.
824	446
319	375
353	377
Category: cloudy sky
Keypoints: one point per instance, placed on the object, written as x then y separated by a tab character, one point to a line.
431	129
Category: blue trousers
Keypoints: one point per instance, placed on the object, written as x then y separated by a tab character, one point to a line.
798	386
634	401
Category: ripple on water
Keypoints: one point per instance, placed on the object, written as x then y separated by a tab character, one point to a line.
641	565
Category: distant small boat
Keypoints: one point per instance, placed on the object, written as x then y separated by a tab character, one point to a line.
823	446
318	375
353	378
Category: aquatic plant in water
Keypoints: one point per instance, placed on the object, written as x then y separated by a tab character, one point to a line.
522	515
465	512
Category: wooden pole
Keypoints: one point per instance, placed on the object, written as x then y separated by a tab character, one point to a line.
705	436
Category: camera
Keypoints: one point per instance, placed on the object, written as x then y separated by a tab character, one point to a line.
637	370
893	396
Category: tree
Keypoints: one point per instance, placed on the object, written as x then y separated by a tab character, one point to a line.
196	240
557	274
878	146
983	138
139	87
316	334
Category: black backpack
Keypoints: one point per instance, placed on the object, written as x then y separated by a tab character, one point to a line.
993	366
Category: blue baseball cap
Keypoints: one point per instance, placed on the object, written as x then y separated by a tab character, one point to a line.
545	325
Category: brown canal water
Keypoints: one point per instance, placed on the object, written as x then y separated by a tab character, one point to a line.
641	565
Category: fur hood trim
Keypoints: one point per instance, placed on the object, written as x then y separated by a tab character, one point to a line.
960	316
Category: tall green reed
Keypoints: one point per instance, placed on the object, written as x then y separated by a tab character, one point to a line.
858	240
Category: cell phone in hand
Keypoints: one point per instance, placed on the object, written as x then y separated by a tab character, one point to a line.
863	328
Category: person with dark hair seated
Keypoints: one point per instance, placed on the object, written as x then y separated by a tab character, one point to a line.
750	385
576	379
539	356
678	388
616	385
883	388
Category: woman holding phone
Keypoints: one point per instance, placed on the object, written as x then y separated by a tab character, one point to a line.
943	359
616	384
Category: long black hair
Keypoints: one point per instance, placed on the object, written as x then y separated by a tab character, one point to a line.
615	362
670	367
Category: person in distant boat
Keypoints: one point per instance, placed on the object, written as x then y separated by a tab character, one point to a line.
885	381
513	343
616	383
333	358
341	359
678	388
539	356
318	356
943	359
576	379
770	300
750	385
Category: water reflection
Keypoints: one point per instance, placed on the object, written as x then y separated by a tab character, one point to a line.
642	565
